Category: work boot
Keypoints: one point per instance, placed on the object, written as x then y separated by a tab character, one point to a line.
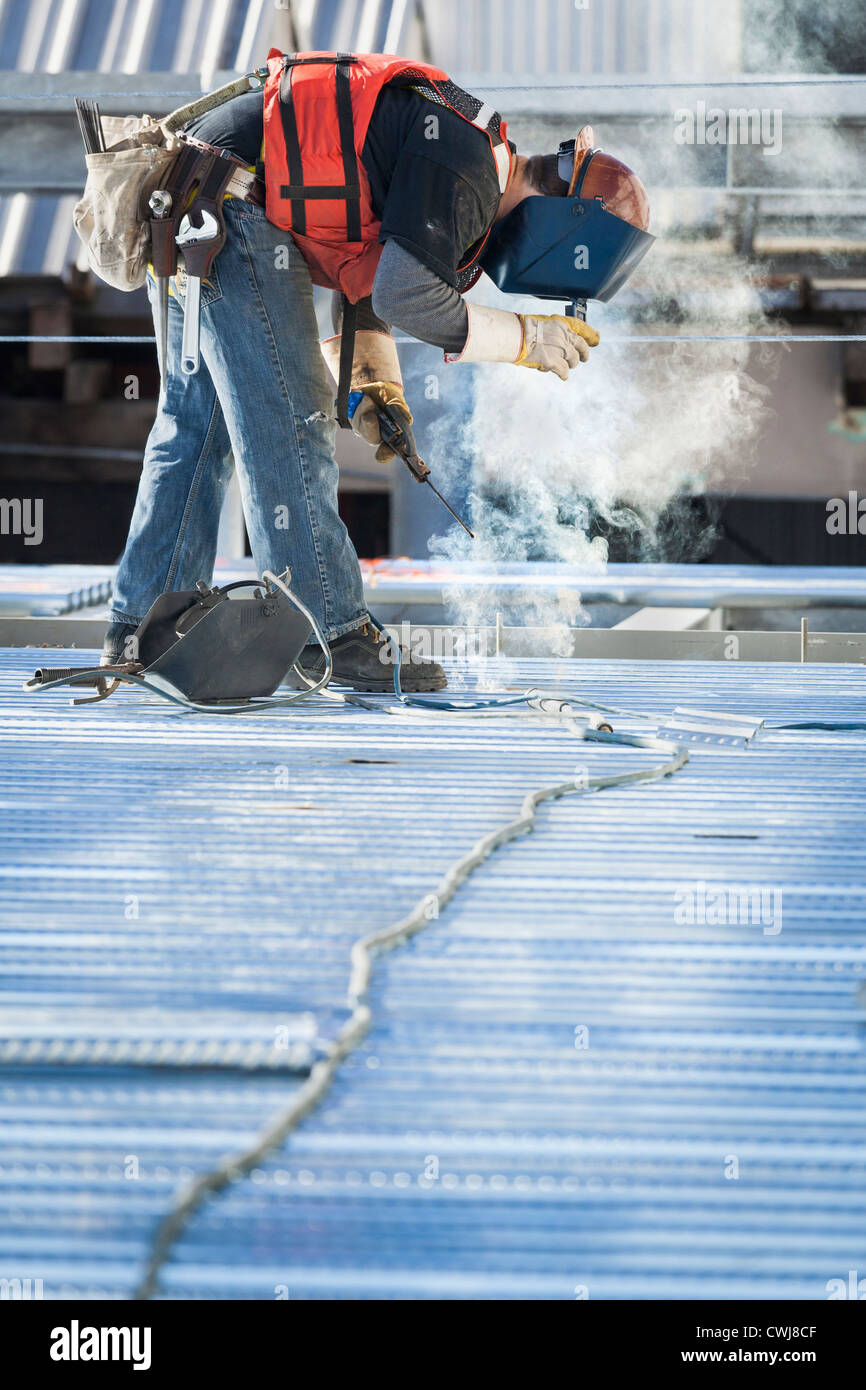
365	661
114	644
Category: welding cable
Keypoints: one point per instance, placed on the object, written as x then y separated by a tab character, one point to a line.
362	957
449	706
529	697
839	727
164	692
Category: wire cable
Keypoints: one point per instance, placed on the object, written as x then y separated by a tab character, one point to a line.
363	955
585	88
533	697
839	727
619	339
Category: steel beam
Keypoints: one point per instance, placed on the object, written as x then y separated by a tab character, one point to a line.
608	644
672	620
629	644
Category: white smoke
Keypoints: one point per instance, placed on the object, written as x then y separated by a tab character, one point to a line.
628	432
797	36
643	425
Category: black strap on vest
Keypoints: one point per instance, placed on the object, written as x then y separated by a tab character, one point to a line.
293	149
297	191
347	354
350	190
350	159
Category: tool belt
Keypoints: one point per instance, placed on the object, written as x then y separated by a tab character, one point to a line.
244	183
197	181
114	218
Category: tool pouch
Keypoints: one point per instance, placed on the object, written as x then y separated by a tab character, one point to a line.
112	217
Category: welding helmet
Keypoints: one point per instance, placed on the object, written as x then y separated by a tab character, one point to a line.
581	245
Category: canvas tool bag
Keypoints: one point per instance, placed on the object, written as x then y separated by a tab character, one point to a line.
112	218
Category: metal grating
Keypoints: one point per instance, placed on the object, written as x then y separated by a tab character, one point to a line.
177	874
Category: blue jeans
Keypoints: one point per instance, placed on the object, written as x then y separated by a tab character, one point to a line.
262	391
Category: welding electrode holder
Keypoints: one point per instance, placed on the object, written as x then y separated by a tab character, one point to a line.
104	679
397	435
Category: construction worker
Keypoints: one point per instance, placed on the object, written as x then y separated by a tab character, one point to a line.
385	182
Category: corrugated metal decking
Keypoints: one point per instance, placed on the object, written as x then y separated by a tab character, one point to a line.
190	886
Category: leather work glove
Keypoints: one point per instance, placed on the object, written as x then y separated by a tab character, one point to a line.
376	375
548	342
555	342
364	419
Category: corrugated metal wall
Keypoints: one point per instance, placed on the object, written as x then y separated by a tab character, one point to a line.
663	38
122	36
515	38
132	35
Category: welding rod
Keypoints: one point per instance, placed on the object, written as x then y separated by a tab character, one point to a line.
90	123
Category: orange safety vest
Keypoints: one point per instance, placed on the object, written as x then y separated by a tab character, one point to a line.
317	110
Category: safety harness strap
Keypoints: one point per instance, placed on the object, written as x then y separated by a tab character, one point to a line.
350	158
297	191
347	354
182	115
293	150
350	191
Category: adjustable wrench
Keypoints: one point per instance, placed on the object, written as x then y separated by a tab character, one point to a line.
166	208
199	245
